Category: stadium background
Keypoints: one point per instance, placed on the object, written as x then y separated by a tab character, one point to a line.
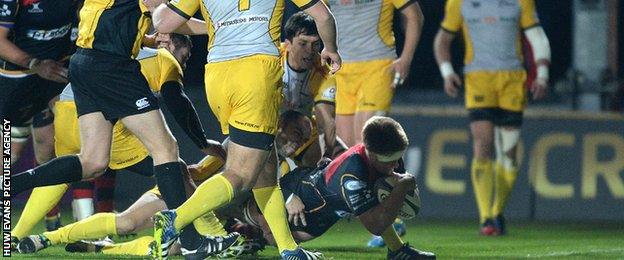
572	147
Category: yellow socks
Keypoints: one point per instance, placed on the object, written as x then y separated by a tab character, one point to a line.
96	226
505	179
210	195
139	247
482	182
392	239
271	203
40	202
209	225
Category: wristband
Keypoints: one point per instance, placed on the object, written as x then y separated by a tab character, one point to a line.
33	62
446	69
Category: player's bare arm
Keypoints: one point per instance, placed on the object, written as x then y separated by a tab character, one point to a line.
442	51
164	19
380	217
413	20
326	25
193	26
541	53
47	69
325	114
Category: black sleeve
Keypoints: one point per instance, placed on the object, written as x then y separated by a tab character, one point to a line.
184	112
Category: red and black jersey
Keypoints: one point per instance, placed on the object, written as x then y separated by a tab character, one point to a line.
344	188
42	28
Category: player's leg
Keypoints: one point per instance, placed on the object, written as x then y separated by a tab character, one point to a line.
481	101
43	144
345	125
346	90
169	170
82	203
271	203
137	216
41	201
374	97
96	132
508	124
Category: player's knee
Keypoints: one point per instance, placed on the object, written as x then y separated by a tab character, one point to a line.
93	167
167	153
510	137
482	148
239	182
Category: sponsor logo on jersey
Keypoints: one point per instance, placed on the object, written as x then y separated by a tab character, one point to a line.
142	103
5	11
330	93
46	35
243	20
354	185
35	8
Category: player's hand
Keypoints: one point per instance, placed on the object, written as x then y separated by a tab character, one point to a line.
296	210
215	148
452	84
400	67
406	181
323	161
539	88
51	70
163	40
332	58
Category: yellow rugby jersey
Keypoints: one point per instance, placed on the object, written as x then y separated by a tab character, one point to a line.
239	28
364	28
302	90
491	31
113	26
159	66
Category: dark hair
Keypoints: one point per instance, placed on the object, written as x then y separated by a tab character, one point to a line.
299	23
289	117
181	41
383	135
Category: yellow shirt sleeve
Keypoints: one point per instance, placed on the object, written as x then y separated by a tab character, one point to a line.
185	8
528	15
168	70
169	67
304	4
452	16
400	4
327	91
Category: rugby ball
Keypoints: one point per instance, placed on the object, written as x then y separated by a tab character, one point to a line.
411	204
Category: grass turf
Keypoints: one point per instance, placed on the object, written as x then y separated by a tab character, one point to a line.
448	239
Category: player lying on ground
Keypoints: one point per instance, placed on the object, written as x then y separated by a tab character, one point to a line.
313	195
138	216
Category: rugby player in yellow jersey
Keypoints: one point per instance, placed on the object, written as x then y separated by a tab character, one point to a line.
243	87
495	93
163	72
310	89
365	85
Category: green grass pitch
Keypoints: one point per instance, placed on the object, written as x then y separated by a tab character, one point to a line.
448	239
